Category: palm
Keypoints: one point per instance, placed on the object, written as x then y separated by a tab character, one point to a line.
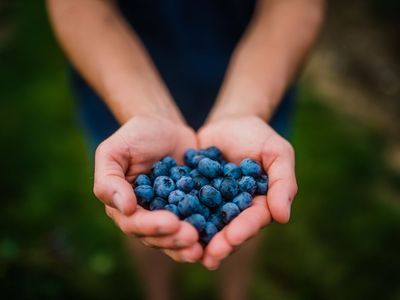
237	139
120	158
251	137
147	140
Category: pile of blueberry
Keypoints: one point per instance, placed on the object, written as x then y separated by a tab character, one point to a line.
207	191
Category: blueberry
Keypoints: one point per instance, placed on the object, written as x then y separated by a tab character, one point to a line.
209	231
262	184
216	182
223	162
243	200
172	208
209	168
204	211
178	171
185	183
187	169
194	193
229	211
194	173
196	159
250	167
200	181
216	219
175	196
197	221
163	186
142	179
144	194
217	210
232	170
157	203
213	153
160	169
169	161
229	188
210	196
188	156
189	205
151	177
247	184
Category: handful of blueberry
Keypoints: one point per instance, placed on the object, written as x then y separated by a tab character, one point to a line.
207	191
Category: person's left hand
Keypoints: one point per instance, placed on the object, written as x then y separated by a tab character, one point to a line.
239	138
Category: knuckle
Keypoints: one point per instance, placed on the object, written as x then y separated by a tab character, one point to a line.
99	189
288	148
101	148
291	151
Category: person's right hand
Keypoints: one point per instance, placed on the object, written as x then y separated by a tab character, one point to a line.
132	150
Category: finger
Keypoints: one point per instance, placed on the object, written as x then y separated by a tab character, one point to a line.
145	223
246	225
187	255
218	249
110	185
185	237
282	182
211	263
249	222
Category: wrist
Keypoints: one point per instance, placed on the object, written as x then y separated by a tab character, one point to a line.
227	116
240	96
126	105
242	107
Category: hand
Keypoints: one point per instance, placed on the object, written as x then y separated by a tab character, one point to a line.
252	137
119	159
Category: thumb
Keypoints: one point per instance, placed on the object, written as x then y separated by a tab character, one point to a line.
110	184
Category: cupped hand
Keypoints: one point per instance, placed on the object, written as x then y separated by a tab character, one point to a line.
239	138
132	150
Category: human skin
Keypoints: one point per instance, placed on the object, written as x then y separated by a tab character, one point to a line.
252	137
111	57
263	65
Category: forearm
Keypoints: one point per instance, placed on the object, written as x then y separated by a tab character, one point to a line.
110	56
268	57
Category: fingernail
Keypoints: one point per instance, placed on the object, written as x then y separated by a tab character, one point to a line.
118	202
189	260
210	264
213	267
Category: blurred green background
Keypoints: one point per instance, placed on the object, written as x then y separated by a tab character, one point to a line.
343	241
